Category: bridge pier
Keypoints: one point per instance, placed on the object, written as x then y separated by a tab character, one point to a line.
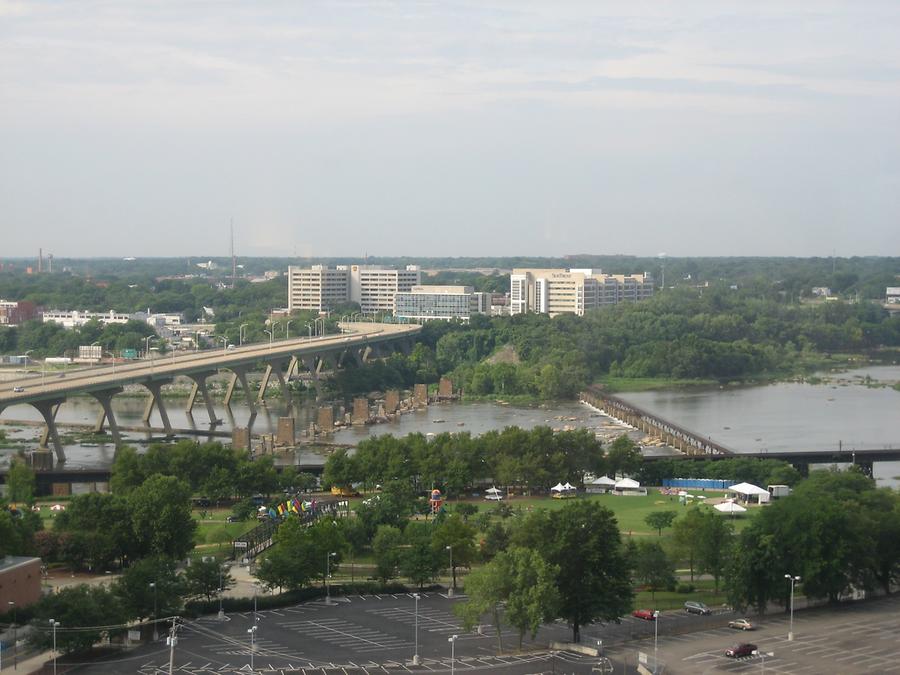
309	362
48	409
201	388
104	398
239	374
272	367
156	399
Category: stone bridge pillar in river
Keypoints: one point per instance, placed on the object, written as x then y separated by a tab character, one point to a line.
201	388
106	416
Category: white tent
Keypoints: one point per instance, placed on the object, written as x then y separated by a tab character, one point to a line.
603	480
627	486
600	485
749	492
494	494
729	507
559	487
569	486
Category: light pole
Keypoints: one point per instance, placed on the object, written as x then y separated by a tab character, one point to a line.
147	346
155	630
416	655
452	588
655	640
271	335
328	557
287	329
252	632
309	328
94	344
12	604
241	333
452	641
322	330
54	624
793	580
224	340
221	609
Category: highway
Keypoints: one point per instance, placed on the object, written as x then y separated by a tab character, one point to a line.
53	385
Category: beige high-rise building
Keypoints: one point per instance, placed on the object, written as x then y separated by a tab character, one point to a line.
317	288
573	291
373	288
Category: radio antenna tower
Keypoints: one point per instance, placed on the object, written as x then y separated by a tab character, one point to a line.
233	259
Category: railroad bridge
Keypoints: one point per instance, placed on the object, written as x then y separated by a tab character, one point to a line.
689	442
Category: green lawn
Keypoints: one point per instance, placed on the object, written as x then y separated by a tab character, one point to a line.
704	593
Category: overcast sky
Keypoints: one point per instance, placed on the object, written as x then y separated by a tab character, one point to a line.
450	128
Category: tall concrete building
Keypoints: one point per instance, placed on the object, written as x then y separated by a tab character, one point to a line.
319	288
374	288
573	291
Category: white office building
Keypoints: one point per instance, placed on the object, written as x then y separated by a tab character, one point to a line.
446	303
317	288
74	318
374	288
573	291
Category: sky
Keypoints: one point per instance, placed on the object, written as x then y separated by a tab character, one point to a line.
443	128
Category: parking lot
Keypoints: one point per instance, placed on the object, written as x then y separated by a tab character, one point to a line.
856	638
357	634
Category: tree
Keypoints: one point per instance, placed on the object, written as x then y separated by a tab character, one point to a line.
652	567
623	457
150	585
714	545
419	562
76	606
532	598
582	540
386	545
686	534
660	519
454	533
207	579
289	563
20	481
161	522
486	588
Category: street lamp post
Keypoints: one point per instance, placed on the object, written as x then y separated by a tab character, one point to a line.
328	557
452	641
241	333
271	335
12	604
91	352
155	630
224	340
793	579
221	608
655	641
416	654
452	588
309	328
147	346
54	624
287	329
252	631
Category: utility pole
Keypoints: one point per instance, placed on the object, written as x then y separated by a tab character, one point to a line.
233	259
172	641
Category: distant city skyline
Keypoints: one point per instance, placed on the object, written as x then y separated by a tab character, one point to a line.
449	129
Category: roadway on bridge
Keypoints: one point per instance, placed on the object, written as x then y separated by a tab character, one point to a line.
55	384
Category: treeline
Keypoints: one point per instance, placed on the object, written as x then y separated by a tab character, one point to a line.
720	334
51	339
736	469
836	531
534	460
213	470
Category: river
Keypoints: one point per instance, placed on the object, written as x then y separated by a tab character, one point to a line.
844	409
781	416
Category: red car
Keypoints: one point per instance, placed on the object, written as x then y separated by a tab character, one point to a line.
645	614
743	649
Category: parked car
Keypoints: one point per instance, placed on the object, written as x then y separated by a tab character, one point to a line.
692	607
741	624
18	390
233	519
739	650
645	614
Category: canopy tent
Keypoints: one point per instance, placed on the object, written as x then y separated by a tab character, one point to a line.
729	507
559	487
494	494
628	486
748	492
600	485
569	486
